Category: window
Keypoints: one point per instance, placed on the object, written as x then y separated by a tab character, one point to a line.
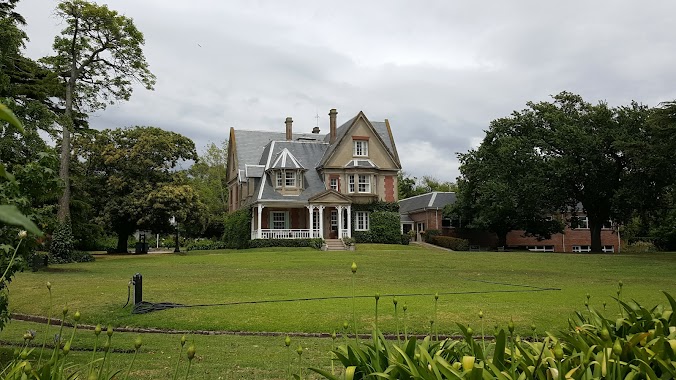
351	183
541	248
607	225
278	219
364	185
361	148
334	220
279	179
315	220
580	222
608	249
362	218
333	184
290	178
446	222
581	248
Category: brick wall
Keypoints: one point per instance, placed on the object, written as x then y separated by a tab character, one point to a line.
389	188
563	242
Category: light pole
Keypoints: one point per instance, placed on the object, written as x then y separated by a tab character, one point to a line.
174	223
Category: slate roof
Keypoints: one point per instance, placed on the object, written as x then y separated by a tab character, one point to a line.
433	200
361	163
254	171
286	160
250	144
308	154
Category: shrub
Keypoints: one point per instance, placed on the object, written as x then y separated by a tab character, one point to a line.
383	228
73	257
405	239
430	233
62	242
237	229
204	245
264	243
449	242
348	241
641	246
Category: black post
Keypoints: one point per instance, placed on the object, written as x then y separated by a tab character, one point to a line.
138	288
177	249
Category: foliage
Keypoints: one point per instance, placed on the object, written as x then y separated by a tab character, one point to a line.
74	257
129	177
640	246
405	239
348	241
383	228
209	179
316	243
98	55
236	231
412	186
62	242
640	345
203	245
376	206
448	242
429	233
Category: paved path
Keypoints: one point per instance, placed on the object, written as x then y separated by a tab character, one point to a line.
431	246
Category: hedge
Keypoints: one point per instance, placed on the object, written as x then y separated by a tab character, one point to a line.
237	231
449	242
264	243
205	245
383	228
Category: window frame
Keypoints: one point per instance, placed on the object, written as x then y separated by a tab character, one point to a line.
361	220
361	148
366	183
350	183
331	183
285	216
279	179
290	179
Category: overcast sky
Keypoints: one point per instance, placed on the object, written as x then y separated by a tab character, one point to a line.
440	71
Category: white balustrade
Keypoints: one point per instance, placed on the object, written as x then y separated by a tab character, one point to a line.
284	234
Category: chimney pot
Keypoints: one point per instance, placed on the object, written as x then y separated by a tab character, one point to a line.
332	125
315	130
289	130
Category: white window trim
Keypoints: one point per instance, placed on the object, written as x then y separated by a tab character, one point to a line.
582	221
364	148
581	248
331	184
279	180
290	178
350	186
361	225
366	183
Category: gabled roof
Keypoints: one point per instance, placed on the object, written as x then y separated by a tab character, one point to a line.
250	144
254	171
361	163
433	200
286	160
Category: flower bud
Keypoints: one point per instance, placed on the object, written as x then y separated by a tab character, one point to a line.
66	348
468	363
481	314
24	355
510	326
436	296
605	334
27	367
354	267
333	335
617	347
394	301
23	234
138	342
109	331
405	307
76	317
106	346
191	352
377	296
65	310
588	296
345	325
558	351
532	327
49	285
183	340
287	341
620	284
470	332
299	350
97	330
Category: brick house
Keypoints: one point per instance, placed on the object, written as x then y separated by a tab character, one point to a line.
303	185
425	212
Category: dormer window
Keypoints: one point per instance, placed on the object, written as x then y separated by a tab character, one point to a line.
288	179
361	148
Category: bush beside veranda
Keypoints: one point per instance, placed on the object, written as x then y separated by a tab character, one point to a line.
264	243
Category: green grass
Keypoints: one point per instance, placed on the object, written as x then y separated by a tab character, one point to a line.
99	289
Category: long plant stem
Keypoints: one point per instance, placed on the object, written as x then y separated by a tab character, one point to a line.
91	362
11	261
178	361
131	364
49	321
354	315
376	347
396	321
188	371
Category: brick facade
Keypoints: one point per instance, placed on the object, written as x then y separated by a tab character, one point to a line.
566	241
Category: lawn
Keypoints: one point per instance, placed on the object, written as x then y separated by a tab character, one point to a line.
503	285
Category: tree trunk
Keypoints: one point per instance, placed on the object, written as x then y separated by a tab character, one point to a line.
122	238
595	231
502	238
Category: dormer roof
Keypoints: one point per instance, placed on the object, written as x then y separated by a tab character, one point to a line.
286	160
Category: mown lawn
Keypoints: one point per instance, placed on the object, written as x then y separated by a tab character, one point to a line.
99	289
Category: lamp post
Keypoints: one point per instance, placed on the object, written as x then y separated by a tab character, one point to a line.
174	223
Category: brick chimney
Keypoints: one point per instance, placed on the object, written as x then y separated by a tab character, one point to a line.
332	125
289	130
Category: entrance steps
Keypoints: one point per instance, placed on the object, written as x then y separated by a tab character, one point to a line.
335	245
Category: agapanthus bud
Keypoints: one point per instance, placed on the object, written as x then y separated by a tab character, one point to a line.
22	234
24	355
333	335
481	314
65	310
76	316
620	284
27	367
66	348
395	301
299	350
183	340
97	330
436	296
470	332
605	334
49	285
109	331
558	351
405	307
468	363
191	352
287	341
345	325
354	267
617	347
510	325
138	342
377	296
106	346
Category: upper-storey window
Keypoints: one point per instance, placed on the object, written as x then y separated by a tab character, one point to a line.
333	184
290	178
361	148
280	180
363	183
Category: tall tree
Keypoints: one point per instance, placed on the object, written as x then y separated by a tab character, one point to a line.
412	186
209	178
98	55
132	179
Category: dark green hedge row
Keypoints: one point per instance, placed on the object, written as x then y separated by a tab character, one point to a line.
264	243
205	245
449	242
383	228
376	206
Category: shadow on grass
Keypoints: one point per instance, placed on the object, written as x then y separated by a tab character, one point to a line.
52	269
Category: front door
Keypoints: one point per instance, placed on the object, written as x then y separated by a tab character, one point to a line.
333	233
420	230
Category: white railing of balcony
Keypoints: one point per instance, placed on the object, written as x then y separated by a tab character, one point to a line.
283	234
345	233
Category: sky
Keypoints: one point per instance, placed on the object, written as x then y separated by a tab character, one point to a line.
439	71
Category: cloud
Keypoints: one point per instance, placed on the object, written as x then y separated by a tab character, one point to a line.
439	71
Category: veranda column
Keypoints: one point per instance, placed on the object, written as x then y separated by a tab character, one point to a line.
252	227
340	221
259	235
349	221
321	222
311	208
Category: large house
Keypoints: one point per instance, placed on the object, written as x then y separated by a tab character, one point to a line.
303	185
425	212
